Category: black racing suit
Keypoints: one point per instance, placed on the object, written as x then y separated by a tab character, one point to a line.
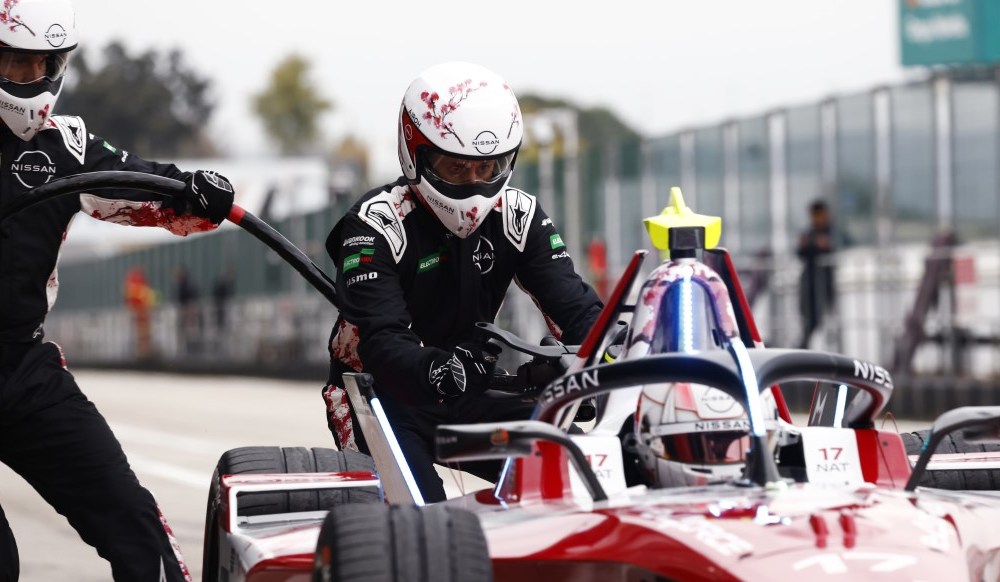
410	292
50	433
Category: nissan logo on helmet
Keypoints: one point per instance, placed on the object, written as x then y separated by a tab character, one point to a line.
56	35
486	142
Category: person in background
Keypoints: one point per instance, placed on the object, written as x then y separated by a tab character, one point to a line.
222	293
186	295
52	435
816	284
422	259
140	299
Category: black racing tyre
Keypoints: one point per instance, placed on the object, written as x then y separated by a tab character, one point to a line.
397	543
257	460
957	479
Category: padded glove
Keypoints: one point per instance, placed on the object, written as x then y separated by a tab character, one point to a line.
467	370
210	195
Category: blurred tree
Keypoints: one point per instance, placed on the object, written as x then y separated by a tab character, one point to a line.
152	102
291	106
596	124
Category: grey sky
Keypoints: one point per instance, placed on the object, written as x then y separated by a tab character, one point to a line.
660	64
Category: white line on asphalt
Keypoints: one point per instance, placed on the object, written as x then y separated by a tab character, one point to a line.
186	444
146	467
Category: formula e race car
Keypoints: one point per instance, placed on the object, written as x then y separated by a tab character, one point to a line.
687	468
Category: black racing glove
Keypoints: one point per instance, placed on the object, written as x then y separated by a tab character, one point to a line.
467	370
210	195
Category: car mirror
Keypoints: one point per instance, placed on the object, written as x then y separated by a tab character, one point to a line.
978	423
986	434
499	440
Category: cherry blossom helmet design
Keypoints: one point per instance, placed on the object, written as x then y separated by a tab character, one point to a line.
36	37
459	133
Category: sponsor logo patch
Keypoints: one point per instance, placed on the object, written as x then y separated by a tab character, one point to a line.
430	262
518	209
357	259
484	255
556	241
379	213
355	241
440	205
362	277
486	142
33	168
8	106
55	35
562	255
74	135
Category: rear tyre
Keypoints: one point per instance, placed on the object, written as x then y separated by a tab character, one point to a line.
954	479
397	543
278	460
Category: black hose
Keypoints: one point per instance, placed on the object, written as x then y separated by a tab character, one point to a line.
164	186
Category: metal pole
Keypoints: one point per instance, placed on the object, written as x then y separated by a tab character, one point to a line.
612	209
884	310
731	186
566	120
647	187
943	144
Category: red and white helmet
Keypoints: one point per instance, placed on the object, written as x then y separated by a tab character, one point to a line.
690	435
459	132
36	37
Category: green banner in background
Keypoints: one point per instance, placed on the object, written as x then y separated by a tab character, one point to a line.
941	32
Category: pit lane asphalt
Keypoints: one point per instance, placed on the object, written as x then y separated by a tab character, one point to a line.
173	429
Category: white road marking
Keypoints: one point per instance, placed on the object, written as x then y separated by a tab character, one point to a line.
182	443
146	467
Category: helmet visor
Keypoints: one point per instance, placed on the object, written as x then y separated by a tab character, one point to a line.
457	171
31	67
706	448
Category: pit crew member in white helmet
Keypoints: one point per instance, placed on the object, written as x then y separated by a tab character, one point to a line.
53	436
421	260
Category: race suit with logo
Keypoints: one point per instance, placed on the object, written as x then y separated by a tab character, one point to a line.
50	433
410	292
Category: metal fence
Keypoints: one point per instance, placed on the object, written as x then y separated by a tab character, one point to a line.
896	164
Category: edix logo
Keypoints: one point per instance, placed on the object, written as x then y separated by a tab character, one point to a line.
872	373
483	256
33	168
486	142
570	384
362	277
55	35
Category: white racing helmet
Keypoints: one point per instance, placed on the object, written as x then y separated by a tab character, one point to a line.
36	37
459	132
